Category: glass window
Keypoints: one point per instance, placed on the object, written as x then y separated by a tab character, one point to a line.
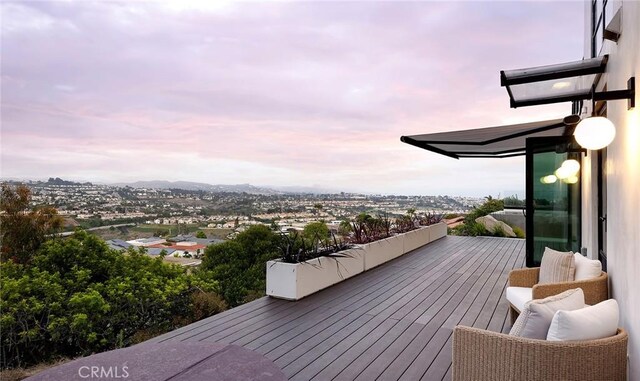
597	25
553	200
608	12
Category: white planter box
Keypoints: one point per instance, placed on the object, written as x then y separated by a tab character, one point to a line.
384	250
294	281
416	238
438	231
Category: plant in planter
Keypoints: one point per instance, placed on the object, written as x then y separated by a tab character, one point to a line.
311	262
308	266
429	219
315	241
367	229
404	224
384	226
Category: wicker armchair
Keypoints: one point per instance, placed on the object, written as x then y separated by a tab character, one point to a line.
480	355
595	290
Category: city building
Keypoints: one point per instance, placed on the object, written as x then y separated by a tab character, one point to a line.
146	242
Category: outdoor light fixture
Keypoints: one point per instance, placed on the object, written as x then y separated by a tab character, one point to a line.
569	82
595	133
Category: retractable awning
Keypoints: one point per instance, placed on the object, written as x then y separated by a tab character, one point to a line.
500	141
569	81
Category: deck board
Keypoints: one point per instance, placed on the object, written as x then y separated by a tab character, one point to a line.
391	323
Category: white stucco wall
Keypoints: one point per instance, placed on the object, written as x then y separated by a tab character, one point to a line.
623	183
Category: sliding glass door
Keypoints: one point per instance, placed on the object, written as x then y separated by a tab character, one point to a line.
553	197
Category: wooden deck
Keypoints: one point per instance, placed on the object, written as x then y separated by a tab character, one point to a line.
391	323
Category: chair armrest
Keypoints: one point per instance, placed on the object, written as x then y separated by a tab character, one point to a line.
485	355
595	290
524	277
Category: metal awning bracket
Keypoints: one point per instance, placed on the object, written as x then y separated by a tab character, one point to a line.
629	94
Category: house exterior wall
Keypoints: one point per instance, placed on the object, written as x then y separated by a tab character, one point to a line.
622	177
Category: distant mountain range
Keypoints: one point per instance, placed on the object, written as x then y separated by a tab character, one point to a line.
236	188
59	181
193	186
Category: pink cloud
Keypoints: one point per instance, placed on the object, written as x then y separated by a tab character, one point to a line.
303	93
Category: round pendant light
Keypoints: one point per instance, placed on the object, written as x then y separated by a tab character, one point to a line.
595	133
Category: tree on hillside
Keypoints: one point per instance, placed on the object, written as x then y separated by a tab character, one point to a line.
316	232
201	234
78	297
239	264
363	217
23	229
345	228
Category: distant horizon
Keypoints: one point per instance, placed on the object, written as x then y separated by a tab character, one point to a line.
505	193
279	93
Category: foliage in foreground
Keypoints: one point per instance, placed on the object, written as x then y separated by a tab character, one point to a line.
77	296
22	229
472	228
239	264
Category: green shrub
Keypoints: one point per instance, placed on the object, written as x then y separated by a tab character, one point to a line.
519	232
316	231
78	297
498	231
472	229
477	229
205	304
239	264
489	206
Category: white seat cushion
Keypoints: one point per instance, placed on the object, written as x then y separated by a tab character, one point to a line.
518	296
586	268
536	317
589	323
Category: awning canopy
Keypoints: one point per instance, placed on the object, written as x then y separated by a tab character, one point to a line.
501	141
569	81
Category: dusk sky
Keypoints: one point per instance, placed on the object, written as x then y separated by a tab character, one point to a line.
270	93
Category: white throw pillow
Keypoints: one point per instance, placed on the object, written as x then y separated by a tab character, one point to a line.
536	316
589	323
586	268
556	266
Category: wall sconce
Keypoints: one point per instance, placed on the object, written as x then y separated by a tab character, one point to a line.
595	132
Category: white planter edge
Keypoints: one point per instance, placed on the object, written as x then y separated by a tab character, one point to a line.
294	281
